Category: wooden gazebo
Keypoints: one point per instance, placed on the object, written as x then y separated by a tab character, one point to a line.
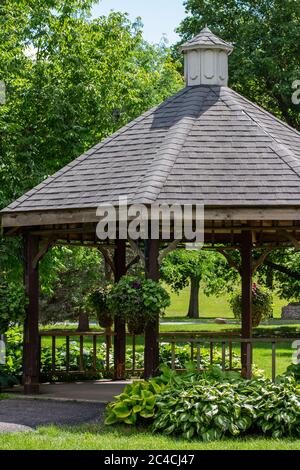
206	145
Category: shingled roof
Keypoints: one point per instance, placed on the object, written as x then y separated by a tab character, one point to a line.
205	145
206	39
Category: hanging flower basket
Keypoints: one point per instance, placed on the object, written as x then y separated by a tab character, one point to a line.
97	302
138	301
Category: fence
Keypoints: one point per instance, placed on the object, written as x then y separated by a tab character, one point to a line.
212	344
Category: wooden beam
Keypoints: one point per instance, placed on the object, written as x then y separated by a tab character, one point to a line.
151	356
223	213
230	260
291	238
120	325
261	259
31	324
246	271
136	249
132	263
108	258
169	249
43	249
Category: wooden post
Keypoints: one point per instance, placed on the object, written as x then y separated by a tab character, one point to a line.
246	352
120	326
151	355
31	324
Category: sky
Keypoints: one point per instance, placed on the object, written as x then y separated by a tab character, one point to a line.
160	17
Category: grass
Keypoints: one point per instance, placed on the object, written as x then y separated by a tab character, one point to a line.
97	437
210	307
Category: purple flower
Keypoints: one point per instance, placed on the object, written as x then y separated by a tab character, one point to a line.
136	285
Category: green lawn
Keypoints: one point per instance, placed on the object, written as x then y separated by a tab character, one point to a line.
96	437
210	307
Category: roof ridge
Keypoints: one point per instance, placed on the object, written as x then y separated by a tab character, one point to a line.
264	111
281	149
91	151
159	170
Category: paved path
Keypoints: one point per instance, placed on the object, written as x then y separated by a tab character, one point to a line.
23	415
60	404
98	391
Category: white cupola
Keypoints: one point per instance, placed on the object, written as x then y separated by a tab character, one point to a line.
206	59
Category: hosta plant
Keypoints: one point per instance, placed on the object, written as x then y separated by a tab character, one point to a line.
136	404
294	370
219	404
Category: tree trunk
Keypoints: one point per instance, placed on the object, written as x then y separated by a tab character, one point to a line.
83	323
194	298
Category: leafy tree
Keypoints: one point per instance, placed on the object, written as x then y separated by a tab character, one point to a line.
77	271
281	271
266	60
182	268
70	82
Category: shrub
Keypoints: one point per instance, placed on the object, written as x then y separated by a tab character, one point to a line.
262	305
7	380
14	353
12	305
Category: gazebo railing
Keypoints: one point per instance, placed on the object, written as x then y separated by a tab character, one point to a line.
223	346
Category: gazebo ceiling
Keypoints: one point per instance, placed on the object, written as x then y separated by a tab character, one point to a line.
205	145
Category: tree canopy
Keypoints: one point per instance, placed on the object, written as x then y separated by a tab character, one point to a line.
70	82
266	36
183	268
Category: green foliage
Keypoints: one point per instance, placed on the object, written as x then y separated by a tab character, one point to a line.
197	268
294	371
180	266
262	305
210	406
14	353
138	301
97	302
7	380
12	304
281	272
70	82
210	409
68	275
136	404
266	35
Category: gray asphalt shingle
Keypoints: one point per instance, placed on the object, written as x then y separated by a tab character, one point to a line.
206	144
